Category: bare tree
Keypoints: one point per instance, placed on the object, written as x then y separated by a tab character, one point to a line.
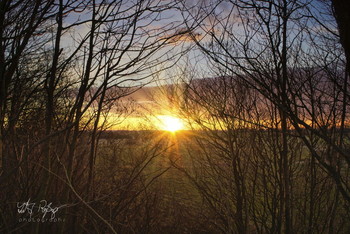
59	61
282	50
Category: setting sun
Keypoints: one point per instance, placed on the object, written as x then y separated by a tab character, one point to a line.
170	123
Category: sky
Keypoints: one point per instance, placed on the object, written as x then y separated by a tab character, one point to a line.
182	66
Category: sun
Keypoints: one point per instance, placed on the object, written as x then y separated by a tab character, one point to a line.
170	123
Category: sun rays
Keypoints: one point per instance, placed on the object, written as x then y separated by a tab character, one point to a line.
170	123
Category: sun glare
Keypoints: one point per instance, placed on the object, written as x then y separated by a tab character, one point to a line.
170	123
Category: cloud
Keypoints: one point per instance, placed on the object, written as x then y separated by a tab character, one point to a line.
182	35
